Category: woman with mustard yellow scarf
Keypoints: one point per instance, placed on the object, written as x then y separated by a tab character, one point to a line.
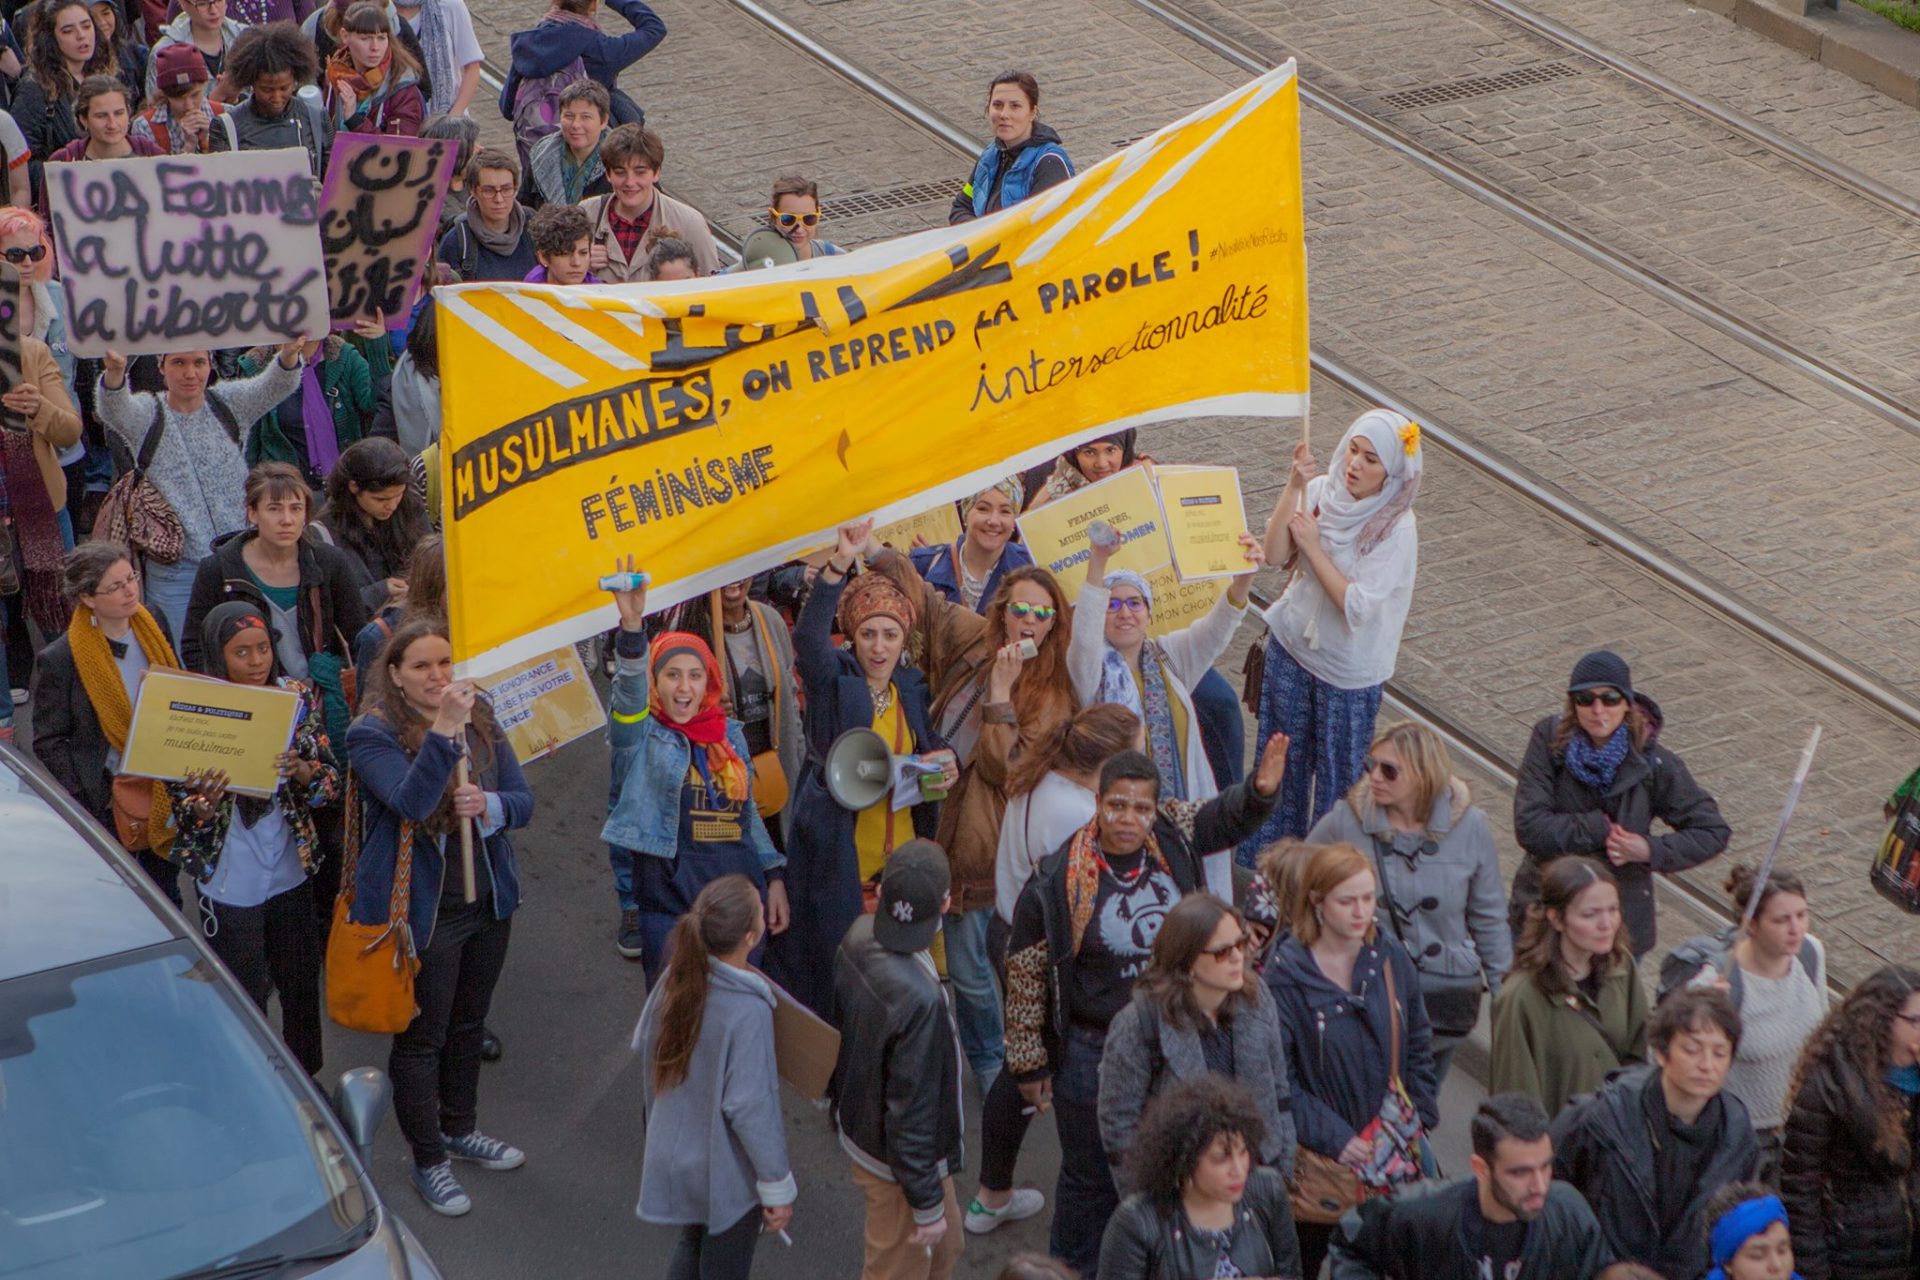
84	687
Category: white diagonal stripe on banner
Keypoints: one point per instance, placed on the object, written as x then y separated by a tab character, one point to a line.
575	332
1171	177
509	343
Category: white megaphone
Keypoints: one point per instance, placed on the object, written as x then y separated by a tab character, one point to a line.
860	769
766	248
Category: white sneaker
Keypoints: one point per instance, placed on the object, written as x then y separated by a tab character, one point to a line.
1025	1203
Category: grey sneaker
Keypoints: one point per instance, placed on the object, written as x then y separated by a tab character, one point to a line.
488	1153
629	943
440	1189
1025	1203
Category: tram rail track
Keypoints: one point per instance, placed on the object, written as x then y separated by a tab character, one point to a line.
1827	373
1480	752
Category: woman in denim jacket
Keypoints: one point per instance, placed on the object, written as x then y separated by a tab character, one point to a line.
682	784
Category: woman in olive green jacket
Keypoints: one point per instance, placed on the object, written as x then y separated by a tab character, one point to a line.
1572	1011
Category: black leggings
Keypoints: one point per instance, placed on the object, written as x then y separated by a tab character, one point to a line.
274	946
707	1255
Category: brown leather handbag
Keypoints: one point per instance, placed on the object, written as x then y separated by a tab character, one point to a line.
371	967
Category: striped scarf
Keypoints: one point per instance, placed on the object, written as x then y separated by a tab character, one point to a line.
100	677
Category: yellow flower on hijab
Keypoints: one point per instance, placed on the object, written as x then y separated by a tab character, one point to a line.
1410	438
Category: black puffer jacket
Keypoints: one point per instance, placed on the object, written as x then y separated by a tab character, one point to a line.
1554	813
896	1086
1142	1243
1853	1208
1603	1144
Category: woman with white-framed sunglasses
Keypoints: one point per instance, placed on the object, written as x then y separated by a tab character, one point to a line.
1594	779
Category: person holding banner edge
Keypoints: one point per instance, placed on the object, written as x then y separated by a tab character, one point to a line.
678	818
838	854
1349	541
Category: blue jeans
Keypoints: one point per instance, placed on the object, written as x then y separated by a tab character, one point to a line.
976	997
170	586
1216	705
1085	1196
1329	731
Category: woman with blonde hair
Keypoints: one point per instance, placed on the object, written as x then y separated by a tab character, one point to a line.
1348	995
1439	874
1573	1010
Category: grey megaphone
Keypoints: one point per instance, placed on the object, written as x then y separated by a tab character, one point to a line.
859	769
766	248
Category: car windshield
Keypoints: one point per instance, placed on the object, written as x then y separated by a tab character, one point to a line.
147	1130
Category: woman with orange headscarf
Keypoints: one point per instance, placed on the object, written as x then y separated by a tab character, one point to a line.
683	813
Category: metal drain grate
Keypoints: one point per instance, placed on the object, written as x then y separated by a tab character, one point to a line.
1479	86
892	198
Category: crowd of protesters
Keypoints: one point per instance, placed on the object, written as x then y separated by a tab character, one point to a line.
1236	979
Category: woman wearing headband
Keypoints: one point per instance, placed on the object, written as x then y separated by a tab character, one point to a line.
1594	779
969	571
837	854
1747	1235
252	857
1849	1178
1573	1010
1115	658
1349	542
684	815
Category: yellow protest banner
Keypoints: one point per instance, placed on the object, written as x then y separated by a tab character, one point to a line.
1204	519
545	703
713	428
1056	534
185	722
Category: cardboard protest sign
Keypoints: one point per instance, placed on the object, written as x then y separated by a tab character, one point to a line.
545	703
379	209
938	525
714	428
10	369
1056	533
185	722
805	1047
1204	518
1178	605
169	253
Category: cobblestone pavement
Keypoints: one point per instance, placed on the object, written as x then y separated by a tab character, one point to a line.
1815	105
1512	342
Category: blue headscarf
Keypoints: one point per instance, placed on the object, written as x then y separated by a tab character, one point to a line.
1740	1224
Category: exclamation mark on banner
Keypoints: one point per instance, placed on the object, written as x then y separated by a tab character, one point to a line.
1193	247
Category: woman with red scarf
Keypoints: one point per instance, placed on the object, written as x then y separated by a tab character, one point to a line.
373	81
683	812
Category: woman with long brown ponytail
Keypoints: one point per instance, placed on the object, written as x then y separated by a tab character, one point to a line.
710	1086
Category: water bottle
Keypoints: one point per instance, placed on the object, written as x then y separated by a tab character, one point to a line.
624	581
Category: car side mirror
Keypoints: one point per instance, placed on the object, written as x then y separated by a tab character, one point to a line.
361	1100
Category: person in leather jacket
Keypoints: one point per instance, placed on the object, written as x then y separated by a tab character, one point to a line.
896	1085
1203	1193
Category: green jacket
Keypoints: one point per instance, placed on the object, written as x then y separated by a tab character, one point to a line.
351	376
1555	1049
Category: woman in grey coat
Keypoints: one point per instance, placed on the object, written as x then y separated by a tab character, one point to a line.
1439	875
716	1151
1198	1008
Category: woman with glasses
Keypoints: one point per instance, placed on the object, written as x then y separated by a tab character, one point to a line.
1594	780
1439	875
84	686
1849	1180
1115	658
1198	1008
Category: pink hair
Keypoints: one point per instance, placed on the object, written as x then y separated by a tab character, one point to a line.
13	218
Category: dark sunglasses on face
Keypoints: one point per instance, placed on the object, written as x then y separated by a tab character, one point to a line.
18	255
786	221
1605	697
1221	953
1388	772
1041	612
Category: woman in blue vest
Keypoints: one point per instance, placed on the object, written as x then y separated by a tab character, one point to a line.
1025	157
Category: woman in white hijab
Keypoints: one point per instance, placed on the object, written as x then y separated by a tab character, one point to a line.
1351	550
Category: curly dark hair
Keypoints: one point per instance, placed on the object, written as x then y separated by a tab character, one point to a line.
269	49
44	62
1178	1128
1852	1043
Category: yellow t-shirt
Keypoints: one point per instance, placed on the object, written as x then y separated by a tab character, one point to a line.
874	830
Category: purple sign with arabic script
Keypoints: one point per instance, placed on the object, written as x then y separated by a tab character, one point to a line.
379	212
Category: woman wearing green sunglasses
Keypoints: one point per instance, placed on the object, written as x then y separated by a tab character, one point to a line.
1594	779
